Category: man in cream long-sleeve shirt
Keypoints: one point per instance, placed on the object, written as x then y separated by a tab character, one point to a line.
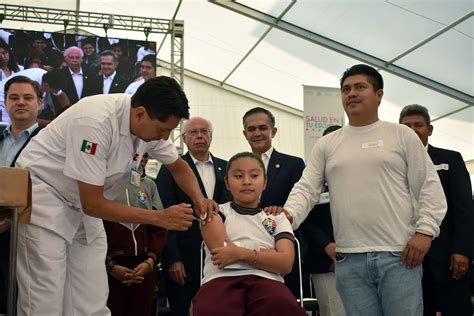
373	168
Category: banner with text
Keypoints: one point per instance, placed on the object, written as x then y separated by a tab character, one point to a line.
322	108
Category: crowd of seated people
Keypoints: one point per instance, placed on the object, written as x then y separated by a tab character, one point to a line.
83	62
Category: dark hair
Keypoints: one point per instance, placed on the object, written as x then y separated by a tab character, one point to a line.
54	79
109	53
22	79
162	97
38	37
89	41
150	58
116	45
415	109
12	64
149	45
255	110
35	56
31	61
245	154
119	45
374	77
331	129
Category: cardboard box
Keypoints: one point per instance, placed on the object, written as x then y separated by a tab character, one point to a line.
15	191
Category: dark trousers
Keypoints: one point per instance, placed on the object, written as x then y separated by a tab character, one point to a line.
180	296
136	299
450	297
247	295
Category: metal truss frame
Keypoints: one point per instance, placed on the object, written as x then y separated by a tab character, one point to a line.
351	52
77	18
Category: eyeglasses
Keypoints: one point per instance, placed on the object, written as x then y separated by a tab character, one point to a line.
195	132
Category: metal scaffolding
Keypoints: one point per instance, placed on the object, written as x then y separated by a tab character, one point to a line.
77	18
354	53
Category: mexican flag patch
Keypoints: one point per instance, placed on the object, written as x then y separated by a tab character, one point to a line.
88	147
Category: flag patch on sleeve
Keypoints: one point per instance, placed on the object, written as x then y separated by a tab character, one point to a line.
88	147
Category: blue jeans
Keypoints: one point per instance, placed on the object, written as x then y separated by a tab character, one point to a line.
374	283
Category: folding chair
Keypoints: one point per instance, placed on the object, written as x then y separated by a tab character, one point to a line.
309	304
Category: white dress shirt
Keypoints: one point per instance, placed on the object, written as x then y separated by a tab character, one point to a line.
77	77
108	82
207	174
266	158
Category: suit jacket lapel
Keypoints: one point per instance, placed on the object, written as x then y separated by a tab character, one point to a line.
189	160
73	98
433	153
219	172
113	85
100	87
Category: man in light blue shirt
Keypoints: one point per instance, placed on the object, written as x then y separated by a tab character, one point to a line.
22	102
10	146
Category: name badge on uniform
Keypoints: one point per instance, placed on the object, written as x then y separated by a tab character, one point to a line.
374	144
442	166
135	178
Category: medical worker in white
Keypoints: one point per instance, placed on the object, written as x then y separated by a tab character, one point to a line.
78	165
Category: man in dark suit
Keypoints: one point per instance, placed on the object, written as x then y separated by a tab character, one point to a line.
446	265
180	258
108	81
77	82
22	102
283	170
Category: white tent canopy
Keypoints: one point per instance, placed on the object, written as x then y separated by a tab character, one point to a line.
217	39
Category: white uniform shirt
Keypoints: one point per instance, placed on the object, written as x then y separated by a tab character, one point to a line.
133	87
91	142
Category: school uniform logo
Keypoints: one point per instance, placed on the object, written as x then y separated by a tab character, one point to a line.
88	147
142	197
270	225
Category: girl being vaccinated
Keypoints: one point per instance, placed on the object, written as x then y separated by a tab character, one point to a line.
247	251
